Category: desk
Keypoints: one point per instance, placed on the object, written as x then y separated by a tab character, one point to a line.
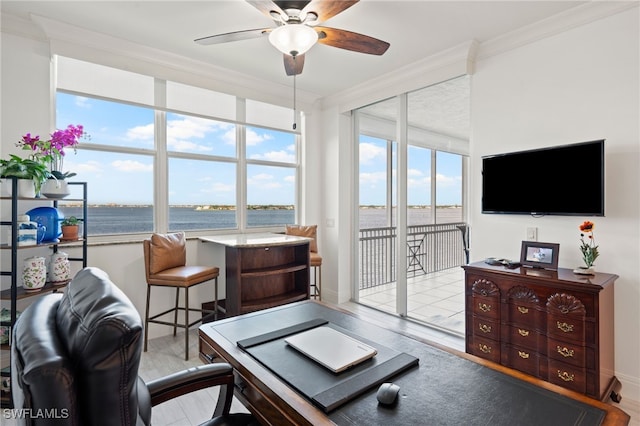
439	391
263	270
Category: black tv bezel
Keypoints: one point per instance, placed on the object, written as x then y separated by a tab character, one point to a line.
601	211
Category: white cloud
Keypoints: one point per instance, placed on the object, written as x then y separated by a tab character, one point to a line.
263	181
370	152
144	133
372	178
82	102
127	166
217	187
448	180
281	156
254	138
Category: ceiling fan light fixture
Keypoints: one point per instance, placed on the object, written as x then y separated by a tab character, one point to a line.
293	39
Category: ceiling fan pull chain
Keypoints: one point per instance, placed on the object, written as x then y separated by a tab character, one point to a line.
294	95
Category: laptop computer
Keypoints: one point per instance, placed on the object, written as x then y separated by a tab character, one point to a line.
331	348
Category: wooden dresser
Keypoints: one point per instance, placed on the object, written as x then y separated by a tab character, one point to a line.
554	325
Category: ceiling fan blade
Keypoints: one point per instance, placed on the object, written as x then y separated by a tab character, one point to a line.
266	7
328	9
348	40
234	36
293	66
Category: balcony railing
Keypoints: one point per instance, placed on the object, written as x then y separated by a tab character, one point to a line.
430	248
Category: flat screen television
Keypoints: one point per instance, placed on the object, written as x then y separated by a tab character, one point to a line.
562	180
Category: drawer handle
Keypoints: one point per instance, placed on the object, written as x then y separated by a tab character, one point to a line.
267	248
523	310
523	355
565	352
484	328
523	333
567	328
566	376
484	348
484	307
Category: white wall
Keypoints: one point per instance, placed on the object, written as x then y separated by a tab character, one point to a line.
577	86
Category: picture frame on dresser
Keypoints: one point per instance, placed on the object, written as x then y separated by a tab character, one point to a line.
534	254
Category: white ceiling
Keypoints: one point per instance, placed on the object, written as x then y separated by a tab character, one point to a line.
415	29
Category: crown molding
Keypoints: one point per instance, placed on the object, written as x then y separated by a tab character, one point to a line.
453	62
83	44
572	18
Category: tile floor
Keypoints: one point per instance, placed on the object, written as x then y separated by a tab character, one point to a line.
436	299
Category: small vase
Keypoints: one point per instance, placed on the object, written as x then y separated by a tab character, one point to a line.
55	188
34	273
59	267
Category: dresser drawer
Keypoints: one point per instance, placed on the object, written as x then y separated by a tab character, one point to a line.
524	314
567	351
568	376
565	327
485	348
521	359
488	307
525	337
485	327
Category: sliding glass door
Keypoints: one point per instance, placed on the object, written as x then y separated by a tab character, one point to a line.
412	157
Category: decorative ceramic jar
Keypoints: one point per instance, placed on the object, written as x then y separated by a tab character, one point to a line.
59	267
27	231
34	273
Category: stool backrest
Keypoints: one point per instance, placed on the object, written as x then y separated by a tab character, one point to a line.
164	251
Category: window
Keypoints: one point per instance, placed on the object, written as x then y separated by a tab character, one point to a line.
162	149
120	181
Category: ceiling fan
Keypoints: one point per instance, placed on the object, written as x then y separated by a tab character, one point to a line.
297	30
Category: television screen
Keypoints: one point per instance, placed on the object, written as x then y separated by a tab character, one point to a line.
562	180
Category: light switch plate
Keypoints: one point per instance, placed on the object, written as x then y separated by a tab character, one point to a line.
532	234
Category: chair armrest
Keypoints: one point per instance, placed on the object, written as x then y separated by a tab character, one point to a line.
193	379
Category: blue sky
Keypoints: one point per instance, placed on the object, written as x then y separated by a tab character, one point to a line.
127	178
373	157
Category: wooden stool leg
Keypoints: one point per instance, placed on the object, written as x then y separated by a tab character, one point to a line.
319	283
146	318
186	323
175	313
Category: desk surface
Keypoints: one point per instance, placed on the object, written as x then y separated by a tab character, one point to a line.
255	240
448	387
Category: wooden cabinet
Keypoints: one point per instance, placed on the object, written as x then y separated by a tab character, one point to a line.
554	325
263	270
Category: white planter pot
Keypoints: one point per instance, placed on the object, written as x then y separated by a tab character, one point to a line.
26	188
55	188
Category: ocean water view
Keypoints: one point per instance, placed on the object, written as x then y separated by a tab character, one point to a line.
108	219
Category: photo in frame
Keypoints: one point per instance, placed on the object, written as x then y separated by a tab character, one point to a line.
539	255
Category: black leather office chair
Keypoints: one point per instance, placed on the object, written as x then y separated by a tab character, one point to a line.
75	358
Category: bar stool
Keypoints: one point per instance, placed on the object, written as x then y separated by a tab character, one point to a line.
315	260
165	258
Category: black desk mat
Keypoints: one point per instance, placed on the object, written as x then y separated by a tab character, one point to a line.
444	389
326	389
